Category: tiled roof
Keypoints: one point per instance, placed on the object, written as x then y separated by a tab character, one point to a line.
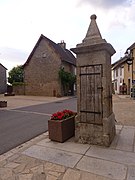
119	62
3	66
65	54
123	59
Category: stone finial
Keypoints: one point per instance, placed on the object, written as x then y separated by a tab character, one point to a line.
93	35
93	17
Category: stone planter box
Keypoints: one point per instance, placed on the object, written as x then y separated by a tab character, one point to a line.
61	130
3	104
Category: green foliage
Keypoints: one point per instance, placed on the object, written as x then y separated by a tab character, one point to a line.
67	78
15	75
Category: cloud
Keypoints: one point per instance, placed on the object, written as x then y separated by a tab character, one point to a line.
107	3
11	57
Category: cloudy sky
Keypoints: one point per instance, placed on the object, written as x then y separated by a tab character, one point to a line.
23	21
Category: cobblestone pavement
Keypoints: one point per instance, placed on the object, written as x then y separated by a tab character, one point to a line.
42	159
124	109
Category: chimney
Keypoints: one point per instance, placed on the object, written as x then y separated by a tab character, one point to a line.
62	44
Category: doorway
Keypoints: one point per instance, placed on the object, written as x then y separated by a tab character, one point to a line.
129	86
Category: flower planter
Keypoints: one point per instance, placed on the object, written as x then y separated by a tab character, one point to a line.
3	104
61	130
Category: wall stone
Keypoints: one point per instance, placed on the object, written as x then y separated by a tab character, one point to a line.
19	89
41	73
95	121
3	79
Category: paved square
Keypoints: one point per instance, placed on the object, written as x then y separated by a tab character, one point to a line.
53	155
69	145
101	167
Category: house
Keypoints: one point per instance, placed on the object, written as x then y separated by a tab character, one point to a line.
41	70
118	75
3	79
123	73
131	49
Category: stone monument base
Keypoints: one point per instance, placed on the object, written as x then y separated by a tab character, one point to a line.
96	134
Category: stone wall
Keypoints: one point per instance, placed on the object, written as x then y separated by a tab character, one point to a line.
3	80
41	73
19	89
95	121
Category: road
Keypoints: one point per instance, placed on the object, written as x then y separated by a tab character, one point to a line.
22	124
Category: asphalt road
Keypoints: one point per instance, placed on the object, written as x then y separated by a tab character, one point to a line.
50	108
22	124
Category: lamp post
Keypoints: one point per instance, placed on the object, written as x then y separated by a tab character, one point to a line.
129	61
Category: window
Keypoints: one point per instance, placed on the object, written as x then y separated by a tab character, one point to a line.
120	71
117	72
115	85
121	80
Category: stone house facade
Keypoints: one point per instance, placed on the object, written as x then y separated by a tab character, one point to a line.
130	70
3	79
122	72
41	70
118	75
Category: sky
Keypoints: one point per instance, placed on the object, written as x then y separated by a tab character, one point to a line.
23	21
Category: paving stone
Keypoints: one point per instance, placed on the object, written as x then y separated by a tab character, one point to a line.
123	157
33	163
38	169
26	163
103	168
130	127
6	156
66	146
53	155
11	165
23	159
126	139
12	178
3	163
12	158
25	176
54	167
71	174
19	168
5	173
26	171
131	173
50	177
53	173
90	176
41	176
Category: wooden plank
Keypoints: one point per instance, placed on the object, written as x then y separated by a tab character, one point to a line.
91	94
90	102
83	94
98	95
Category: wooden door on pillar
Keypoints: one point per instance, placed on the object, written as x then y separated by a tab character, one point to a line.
91	94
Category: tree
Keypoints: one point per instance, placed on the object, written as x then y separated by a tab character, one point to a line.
15	75
67	79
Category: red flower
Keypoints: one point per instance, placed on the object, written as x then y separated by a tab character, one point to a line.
62	114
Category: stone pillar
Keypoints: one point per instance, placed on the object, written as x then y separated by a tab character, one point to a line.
95	121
